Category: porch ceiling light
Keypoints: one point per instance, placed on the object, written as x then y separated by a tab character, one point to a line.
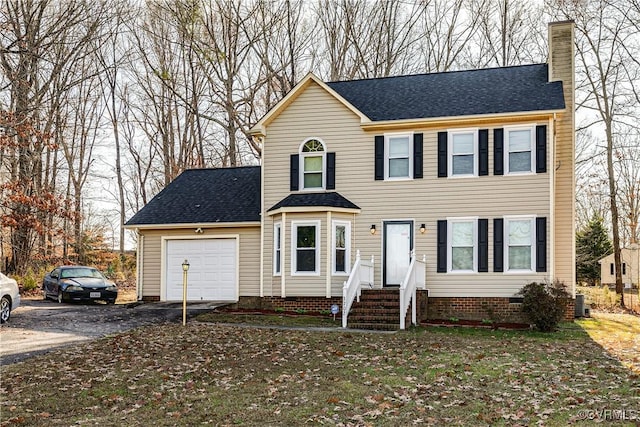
372	230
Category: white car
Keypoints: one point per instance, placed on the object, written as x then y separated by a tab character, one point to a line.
9	297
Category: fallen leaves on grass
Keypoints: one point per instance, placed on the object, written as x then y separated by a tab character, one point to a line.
222	375
619	334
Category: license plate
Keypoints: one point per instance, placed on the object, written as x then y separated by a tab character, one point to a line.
94	294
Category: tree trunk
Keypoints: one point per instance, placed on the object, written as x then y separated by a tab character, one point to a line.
614	214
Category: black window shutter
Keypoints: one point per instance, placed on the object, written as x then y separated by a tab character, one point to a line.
483	245
442	154
541	244
379	157
293	172
331	171
541	149
498	245
417	155
498	152
483	152
442	246
611	270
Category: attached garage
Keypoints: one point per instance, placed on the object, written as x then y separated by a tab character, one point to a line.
213	269
210	217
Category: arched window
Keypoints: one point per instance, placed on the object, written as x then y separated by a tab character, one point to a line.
312	164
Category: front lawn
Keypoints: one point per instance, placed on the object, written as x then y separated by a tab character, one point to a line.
225	375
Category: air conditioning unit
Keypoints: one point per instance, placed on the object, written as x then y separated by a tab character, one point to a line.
579	305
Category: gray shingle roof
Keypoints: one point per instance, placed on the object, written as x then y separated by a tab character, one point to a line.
205	196
457	93
330	199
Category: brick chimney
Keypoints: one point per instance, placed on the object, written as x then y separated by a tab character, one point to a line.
562	68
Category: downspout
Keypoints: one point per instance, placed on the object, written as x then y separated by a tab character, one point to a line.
329	246
552	199
140	264
261	218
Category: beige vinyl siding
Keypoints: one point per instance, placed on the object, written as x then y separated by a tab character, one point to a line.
561	38
305	285
317	114
249	263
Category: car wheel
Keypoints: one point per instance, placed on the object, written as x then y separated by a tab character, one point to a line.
5	309
111	301
60	296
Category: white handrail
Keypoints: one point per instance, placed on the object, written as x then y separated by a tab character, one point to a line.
414	278
361	273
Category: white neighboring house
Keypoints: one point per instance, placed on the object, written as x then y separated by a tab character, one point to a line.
630	267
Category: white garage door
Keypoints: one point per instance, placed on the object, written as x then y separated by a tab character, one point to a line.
212	269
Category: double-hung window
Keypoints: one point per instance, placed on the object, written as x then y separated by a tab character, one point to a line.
463	153
277	249
462	244
341	247
519	155
519	243
305	247
398	153
312	164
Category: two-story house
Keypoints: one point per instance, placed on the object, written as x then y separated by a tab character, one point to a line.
470	174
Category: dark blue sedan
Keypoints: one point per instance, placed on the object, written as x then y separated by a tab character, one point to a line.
78	283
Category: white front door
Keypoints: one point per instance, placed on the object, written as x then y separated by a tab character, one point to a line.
398	243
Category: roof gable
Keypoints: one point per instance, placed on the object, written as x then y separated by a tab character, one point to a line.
260	127
459	93
205	196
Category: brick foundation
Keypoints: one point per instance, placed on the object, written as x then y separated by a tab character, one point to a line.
570	310
311	304
501	310
505	310
497	309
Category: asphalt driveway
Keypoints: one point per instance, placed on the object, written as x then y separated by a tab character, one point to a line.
38	326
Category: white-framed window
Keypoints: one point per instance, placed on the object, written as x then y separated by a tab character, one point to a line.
519	153
312	164
341	247
463	152
305	248
462	245
398	156
519	243
277	249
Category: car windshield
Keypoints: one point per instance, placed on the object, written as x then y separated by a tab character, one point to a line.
80	272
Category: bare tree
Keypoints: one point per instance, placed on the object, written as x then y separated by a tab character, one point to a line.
233	78
40	43
447	33
510	32
603	88
627	166
113	56
167	88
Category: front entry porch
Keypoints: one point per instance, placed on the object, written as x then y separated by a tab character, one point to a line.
365	307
